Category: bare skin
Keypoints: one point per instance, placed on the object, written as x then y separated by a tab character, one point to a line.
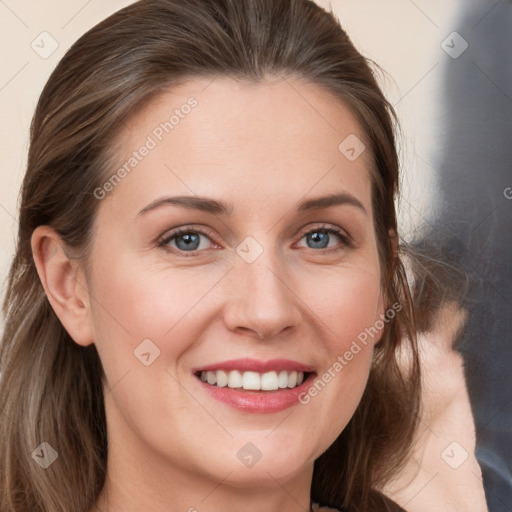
442	473
263	149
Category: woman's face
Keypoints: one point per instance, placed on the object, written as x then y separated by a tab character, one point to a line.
266	279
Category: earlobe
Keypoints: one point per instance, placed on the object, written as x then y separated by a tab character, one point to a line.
65	289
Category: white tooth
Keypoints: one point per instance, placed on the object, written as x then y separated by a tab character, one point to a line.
211	377
234	379
292	379
269	381
222	378
251	380
283	379
300	378
203	376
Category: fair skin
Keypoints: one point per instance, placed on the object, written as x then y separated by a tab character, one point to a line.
263	149
442	472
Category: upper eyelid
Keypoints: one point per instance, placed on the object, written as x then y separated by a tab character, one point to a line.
345	237
321	226
168	235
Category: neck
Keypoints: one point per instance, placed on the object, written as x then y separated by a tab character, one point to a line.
194	494
141	479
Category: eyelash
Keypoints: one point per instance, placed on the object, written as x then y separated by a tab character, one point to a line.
345	239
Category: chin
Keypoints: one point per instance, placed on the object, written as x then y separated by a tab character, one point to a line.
267	474
263	461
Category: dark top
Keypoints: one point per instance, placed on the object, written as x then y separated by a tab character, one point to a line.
390	505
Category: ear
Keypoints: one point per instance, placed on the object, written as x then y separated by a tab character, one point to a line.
64	283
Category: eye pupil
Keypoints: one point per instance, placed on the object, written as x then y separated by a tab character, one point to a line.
319	237
191	241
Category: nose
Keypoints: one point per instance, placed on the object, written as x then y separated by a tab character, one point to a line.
261	300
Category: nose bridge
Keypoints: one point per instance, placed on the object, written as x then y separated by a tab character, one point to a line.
261	298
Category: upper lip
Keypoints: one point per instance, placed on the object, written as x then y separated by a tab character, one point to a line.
256	365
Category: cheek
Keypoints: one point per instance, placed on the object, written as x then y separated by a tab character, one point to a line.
348	303
347	306
147	303
139	309
144	321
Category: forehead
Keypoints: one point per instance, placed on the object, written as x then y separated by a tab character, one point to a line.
257	141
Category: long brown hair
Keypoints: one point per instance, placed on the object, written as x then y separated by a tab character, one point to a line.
50	387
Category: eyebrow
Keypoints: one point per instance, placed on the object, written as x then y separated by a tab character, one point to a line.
215	207
332	200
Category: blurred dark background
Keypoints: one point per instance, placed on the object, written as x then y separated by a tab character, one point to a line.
472	229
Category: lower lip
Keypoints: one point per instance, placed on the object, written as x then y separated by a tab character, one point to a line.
263	402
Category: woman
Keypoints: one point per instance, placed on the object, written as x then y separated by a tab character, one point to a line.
207	308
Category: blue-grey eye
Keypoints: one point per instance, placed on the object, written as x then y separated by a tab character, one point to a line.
318	238
187	241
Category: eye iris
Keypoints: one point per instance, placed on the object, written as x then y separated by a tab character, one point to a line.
191	241
319	237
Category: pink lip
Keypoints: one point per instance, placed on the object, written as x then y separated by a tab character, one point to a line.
263	402
255	365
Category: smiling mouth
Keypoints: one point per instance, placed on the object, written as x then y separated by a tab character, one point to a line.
253	381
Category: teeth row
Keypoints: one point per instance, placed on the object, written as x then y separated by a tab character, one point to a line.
255	381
